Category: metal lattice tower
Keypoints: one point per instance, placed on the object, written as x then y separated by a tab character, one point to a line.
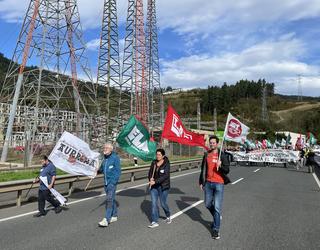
108	77
153	69
299	89
126	81
140	74
51	40
264	111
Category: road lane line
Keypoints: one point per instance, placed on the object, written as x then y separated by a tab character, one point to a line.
185	174
93	197
18	216
237	181
256	170
185	209
316	178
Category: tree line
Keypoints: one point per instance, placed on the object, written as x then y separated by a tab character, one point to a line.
227	96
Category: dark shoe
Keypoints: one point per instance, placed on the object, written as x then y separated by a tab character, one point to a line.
215	235
58	210
39	214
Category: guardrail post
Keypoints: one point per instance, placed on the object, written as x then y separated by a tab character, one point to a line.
19	195
70	188
180	168
132	177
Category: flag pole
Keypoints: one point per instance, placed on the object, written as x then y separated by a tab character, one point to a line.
224	134
91	179
31	185
154	169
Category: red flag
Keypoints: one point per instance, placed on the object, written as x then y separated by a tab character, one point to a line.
174	130
264	143
299	143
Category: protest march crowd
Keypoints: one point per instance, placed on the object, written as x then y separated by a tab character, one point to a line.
74	156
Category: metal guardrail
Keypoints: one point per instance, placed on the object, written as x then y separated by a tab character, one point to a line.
20	185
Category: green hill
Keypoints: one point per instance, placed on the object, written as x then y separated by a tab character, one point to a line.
244	100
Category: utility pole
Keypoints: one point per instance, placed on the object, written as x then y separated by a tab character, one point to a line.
198	116
215	122
264	111
299	89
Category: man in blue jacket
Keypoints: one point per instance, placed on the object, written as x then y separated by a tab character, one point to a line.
111	169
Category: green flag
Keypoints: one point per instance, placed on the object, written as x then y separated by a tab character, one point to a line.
311	139
269	144
288	140
134	138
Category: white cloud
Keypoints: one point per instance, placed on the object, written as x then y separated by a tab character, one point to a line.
93	44
13	10
189	15
274	61
310	85
209	16
90	11
227	25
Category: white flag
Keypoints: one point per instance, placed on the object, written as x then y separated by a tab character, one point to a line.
74	156
55	193
235	130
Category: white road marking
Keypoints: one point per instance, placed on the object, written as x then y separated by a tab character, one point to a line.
93	197
256	170
316	178
184	174
18	216
237	181
186	209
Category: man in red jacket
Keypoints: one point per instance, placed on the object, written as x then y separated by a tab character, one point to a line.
212	179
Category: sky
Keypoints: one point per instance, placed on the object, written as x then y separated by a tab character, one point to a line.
210	42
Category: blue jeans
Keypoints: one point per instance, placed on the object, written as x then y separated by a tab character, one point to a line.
156	193
213	196
111	206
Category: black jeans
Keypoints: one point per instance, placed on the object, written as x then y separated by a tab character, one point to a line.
44	195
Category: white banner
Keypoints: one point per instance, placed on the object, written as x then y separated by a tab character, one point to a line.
55	193
74	156
272	156
235	130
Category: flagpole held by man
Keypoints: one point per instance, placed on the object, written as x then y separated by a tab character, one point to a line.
213	177
215	167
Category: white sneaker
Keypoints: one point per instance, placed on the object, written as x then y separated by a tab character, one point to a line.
153	225
168	220
103	223
113	219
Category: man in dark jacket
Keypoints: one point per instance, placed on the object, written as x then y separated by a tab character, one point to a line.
159	181
212	179
48	171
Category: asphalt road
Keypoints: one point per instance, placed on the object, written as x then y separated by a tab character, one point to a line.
270	208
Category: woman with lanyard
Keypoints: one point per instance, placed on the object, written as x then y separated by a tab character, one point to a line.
159	182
